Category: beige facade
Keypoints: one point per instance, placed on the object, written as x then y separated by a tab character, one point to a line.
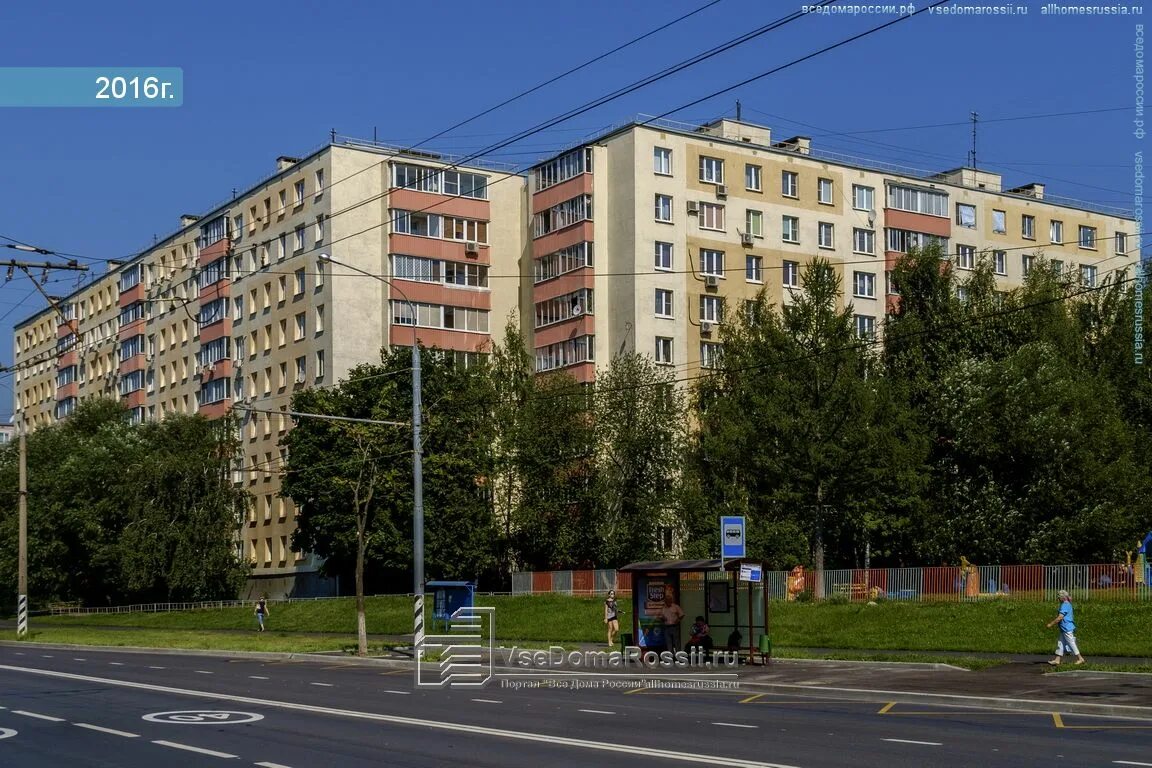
686	223
235	310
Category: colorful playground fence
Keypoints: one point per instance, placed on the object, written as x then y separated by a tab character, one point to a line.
946	583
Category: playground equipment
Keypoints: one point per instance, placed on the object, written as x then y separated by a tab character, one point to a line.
1143	571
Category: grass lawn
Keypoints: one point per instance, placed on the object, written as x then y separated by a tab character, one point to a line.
1104	628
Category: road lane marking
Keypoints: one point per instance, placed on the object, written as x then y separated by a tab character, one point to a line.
112	731
398	693
323	685
922	743
271	765
190	748
886	708
7	733
155	667
49	718
736	725
116	663
751	698
202	672
45	656
413	722
1057	720
1129	762
258	677
79	659
596	711
488	701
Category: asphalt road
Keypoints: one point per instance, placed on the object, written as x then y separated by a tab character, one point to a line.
112	708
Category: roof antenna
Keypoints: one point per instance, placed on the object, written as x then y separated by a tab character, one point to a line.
972	154
737	110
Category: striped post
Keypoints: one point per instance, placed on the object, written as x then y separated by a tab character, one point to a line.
418	627
22	617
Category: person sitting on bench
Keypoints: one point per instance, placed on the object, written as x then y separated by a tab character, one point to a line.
700	636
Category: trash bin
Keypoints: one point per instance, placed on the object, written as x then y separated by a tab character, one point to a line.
765	645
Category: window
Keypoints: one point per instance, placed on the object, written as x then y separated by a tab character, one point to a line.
663	350
212	273
663	302
1088	237
1027	226
865	326
711	308
1121	243
283	335
129	278
903	240
863	241
998	222
1057	267
283	202
320	364
319	274
790	229
299	281
712	262
319	319
238	225
214	351
1056	231
564	307
825	235
664	208
962	293
565	353
864	285
966	215
283	375
710	353
562	261
711	170
298	187
462	318
301	370
790	274
917	200
754	223
863	198
1088	276
283	247
281	289
1026	262
319	228
711	216
214	231
300	327
662	161
752	175
1000	262
319	181
966	256
789	184
567	166
663	256
824	191
753	269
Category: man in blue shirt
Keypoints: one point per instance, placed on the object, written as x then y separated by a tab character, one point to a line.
1067	641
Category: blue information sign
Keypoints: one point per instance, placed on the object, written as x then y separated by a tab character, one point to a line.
731	537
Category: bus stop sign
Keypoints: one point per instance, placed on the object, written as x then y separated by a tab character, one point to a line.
731	537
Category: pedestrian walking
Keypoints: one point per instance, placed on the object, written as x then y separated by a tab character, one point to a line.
261	612
611	617
1067	641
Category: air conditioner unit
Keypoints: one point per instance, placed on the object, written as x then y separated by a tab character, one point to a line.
705	328
472	248
711	281
721	191
746	238
693	208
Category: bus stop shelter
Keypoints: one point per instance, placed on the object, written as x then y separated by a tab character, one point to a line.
708	588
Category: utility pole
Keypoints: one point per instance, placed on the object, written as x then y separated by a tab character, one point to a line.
22	564
972	155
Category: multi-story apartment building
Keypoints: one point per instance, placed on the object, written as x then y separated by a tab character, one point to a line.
642	236
636	240
236	308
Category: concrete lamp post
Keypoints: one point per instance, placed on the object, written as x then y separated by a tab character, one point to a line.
417	464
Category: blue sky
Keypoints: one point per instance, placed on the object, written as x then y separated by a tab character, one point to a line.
262	80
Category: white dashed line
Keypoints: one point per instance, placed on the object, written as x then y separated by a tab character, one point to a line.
323	685
188	748
202	672
488	701
257	677
112	731
49	718
398	693
271	765
923	743
116	663
156	667
596	711
1129	762
79	659
46	656
736	725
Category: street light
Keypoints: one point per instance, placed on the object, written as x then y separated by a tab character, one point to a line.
417	464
